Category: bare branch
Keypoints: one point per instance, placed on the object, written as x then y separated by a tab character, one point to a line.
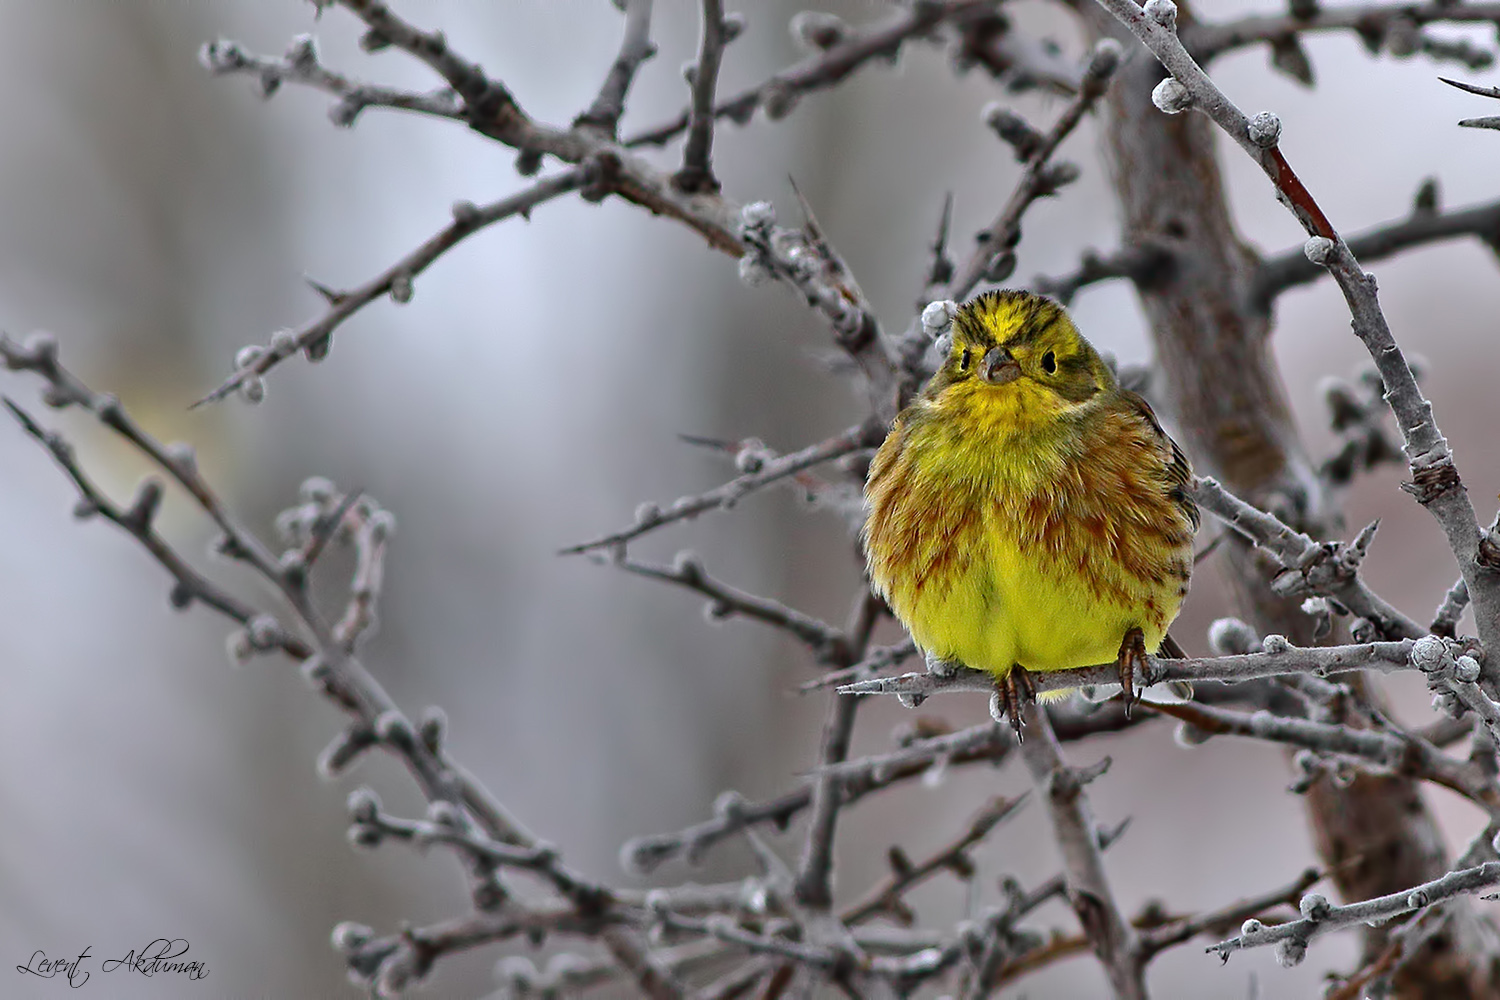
1436	483
1424	225
315	337
1280	659
1089	893
830	67
1320	568
188	584
1141	264
301	65
1402	753
763	468
1379	24
697	174
814	884
1321	917
827	643
993	259
1445	619
905	875
604	114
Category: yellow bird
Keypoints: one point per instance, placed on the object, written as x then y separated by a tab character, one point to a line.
1026	513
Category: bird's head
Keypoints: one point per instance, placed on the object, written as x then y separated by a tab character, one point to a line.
1020	357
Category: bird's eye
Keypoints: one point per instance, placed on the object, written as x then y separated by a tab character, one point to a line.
963	361
1049	362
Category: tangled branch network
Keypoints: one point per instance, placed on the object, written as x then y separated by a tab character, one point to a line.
781	930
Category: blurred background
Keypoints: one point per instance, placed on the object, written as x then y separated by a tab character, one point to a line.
528	397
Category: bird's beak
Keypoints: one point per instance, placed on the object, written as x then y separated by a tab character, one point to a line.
999	367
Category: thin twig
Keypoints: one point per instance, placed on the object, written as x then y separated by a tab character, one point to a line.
314	337
828	643
636	47
1208	40
905	875
697	173
1321	917
779	94
1038	179
763	469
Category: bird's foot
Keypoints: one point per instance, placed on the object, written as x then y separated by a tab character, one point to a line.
1132	652
1010	695
939	667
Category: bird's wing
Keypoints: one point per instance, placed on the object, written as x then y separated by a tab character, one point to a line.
1177	470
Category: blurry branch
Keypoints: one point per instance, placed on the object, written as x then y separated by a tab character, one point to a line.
1490	122
697	174
1404	943
1388	26
814	882
886	900
994	257
461	812
1401	753
1357	414
636	47
827	643
188	585
1435	480
1061	789
315	338
1142	264
1320	916
301	65
1157	933
1427	223
1014	58
841	50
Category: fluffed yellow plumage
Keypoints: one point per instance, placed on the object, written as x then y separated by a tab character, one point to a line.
1025	510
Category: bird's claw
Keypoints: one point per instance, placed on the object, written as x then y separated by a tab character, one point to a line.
1132	652
1010	696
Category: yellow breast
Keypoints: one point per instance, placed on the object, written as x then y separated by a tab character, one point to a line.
1042	552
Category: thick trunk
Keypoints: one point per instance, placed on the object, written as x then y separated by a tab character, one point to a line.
1231	407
